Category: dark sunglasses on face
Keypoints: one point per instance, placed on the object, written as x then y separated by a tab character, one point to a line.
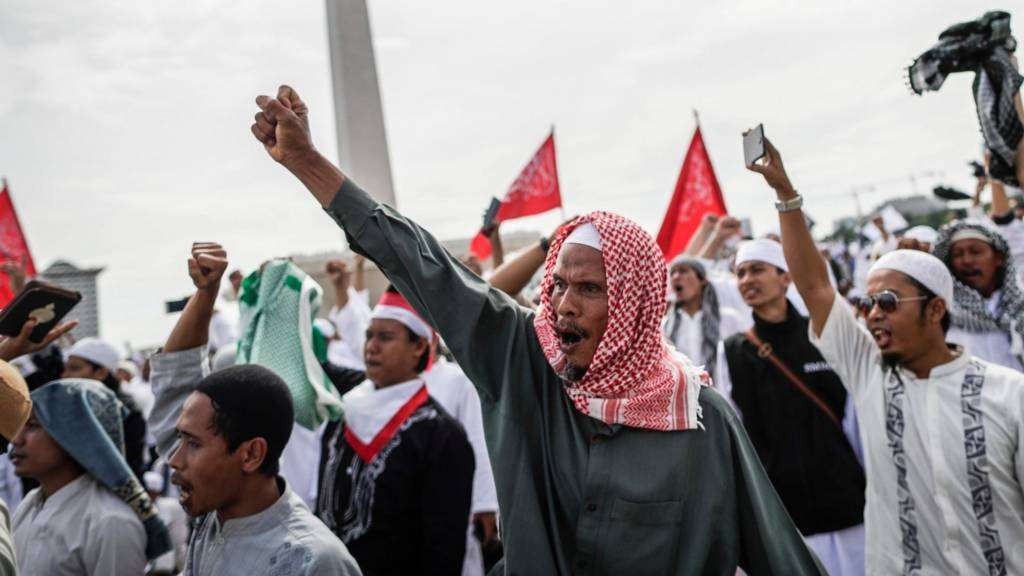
887	300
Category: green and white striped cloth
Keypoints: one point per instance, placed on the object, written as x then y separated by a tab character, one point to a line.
277	307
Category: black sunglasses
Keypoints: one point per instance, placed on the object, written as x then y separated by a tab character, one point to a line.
887	300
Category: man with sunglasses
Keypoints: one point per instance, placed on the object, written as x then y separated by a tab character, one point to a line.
794	409
942	430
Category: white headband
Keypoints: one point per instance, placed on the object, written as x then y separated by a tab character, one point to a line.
969	234
762	250
585	234
410	319
925	234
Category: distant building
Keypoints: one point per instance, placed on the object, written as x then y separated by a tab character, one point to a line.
83	280
315	264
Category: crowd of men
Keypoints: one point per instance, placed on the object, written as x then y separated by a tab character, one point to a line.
772	406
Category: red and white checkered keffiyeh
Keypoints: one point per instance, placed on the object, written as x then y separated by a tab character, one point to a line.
636	378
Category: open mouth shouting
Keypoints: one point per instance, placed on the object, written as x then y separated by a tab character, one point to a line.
184	492
882	337
570	336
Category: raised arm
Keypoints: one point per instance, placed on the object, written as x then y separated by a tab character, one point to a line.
512	276
483	327
497	248
179	366
725	227
806	266
707	224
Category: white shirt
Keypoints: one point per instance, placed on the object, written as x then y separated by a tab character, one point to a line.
447	384
141	392
176	520
924	420
689	337
350	323
299	462
994	346
83	529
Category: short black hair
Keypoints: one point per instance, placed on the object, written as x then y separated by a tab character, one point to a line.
110	380
929	296
250	401
425	357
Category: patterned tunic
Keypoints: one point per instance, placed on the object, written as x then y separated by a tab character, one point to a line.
944	457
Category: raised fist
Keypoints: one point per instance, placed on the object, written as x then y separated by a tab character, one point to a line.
207	264
282	125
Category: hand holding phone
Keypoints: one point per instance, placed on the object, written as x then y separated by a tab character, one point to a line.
753	145
490	216
771	169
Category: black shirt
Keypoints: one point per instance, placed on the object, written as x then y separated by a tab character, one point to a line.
807	456
407	511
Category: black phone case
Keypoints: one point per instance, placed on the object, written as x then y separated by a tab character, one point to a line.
47	303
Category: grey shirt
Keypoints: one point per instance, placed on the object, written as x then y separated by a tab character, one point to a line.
578	496
285	539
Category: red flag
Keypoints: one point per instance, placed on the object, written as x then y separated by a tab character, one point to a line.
480	246
13	246
536	189
697	193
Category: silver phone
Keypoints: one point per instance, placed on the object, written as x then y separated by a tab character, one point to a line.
753	145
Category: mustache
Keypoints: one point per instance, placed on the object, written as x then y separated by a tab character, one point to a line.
571	327
177	480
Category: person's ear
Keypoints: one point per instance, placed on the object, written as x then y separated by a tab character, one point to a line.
253	453
936	310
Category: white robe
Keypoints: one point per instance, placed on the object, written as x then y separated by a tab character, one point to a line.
944	457
81	529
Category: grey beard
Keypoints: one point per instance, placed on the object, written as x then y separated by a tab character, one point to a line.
573	373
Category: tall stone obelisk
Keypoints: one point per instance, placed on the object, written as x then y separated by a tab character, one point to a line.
358	114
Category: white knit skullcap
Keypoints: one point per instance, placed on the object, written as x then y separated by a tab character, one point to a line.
762	250
921	266
98	352
925	234
585	234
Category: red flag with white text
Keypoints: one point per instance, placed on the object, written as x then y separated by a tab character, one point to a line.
13	246
697	193
534	191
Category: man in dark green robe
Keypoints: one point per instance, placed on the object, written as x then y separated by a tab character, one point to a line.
577	495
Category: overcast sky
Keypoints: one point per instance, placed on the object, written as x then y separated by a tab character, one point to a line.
125	125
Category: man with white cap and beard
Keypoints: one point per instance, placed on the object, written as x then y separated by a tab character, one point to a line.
796	412
98	360
942	430
610	454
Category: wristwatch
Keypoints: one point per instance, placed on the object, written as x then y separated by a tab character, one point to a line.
545	243
793	203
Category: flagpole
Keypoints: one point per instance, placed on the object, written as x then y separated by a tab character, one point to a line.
561	207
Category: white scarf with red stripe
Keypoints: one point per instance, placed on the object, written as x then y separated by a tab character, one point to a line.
636	378
374	415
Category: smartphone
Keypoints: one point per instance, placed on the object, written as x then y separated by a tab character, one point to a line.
753	145
491	214
46	303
